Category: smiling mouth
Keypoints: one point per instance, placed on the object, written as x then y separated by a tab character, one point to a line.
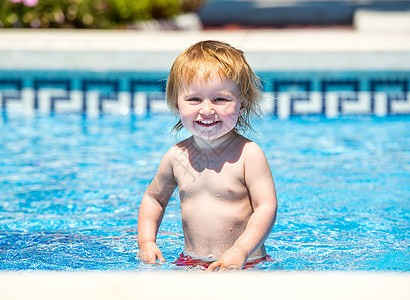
207	123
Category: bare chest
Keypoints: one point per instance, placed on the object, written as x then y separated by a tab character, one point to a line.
208	175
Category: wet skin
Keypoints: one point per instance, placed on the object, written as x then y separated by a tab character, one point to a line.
228	199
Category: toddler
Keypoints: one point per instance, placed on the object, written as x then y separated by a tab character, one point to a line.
226	189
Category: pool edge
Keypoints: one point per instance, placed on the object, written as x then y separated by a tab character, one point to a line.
183	285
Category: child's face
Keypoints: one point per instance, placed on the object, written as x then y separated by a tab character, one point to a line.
209	108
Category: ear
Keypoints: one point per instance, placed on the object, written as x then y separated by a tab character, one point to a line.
241	108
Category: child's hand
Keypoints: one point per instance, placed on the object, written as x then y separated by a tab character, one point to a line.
149	253
231	260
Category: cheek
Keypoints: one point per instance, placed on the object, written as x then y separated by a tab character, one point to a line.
181	108
186	115
231	116
234	109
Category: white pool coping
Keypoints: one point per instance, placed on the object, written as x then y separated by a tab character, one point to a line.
181	285
266	50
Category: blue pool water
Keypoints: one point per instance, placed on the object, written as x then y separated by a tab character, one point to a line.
71	187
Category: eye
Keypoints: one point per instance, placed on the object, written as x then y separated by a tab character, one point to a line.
220	99
194	99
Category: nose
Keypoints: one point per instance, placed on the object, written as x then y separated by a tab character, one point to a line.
207	108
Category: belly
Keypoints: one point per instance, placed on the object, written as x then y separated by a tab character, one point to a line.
211	226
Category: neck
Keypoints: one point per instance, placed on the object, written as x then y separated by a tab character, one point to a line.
216	143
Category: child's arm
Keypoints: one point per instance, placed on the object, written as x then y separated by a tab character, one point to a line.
259	181
152	210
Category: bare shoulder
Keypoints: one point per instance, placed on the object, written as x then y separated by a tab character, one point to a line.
184	144
170	154
254	158
168	158
178	147
176	150
258	174
252	150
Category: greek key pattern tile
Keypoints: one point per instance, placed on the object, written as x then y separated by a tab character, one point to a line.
287	94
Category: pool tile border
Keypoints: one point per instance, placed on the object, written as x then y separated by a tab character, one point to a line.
287	94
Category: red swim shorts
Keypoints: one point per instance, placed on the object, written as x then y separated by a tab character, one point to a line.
188	261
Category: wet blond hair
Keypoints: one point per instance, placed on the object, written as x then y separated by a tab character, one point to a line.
210	58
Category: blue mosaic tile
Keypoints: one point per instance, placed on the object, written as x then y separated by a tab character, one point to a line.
287	93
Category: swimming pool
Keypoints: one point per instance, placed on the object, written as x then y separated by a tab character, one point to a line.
71	187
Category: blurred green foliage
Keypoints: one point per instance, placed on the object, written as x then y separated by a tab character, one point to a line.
103	14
